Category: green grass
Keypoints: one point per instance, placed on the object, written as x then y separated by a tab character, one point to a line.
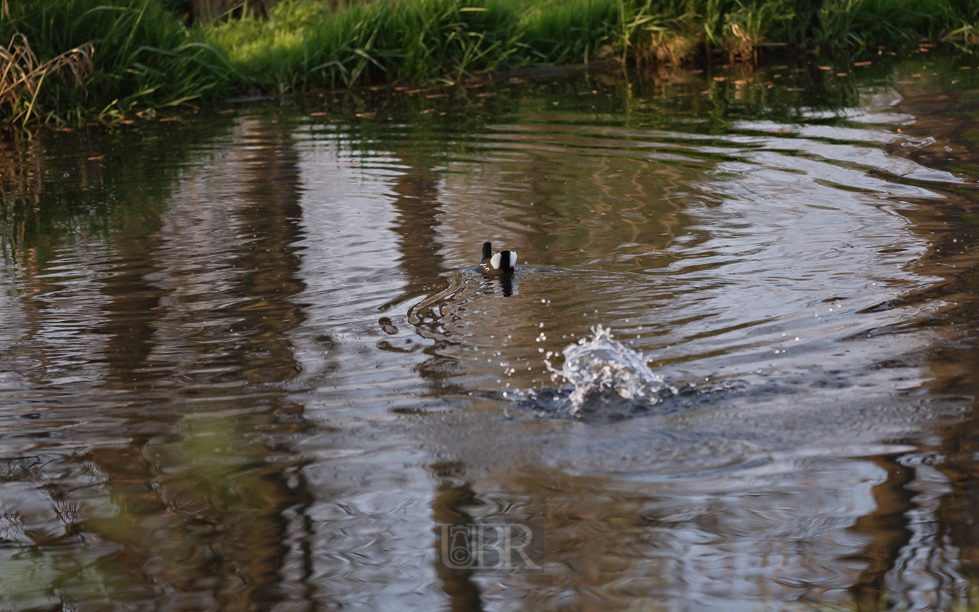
304	45
141	58
74	59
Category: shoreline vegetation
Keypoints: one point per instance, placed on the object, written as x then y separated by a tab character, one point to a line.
66	62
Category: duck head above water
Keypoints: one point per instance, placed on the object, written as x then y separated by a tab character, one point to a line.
499	263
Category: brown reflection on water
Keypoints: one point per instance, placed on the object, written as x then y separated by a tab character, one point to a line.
185	499
234	516
209	467
880	542
417	203
565	195
886	530
950	119
453	497
134	305
269	222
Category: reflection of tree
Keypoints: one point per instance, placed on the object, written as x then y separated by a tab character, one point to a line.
270	216
179	364
886	530
235	514
944	123
418	208
449	507
135	301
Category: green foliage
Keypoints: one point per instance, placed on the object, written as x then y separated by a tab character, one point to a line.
27	84
748	25
556	31
304	44
836	20
960	22
889	22
143	57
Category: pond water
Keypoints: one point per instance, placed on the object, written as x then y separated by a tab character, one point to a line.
247	360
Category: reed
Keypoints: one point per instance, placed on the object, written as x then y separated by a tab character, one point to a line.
28	85
960	23
122	56
78	58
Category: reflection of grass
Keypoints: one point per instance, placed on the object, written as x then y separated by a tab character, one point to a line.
142	57
40	210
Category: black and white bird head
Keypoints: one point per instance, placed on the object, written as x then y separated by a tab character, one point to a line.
497	263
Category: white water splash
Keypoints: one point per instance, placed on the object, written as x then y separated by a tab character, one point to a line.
603	371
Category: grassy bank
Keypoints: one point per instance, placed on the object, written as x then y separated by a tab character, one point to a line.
66	60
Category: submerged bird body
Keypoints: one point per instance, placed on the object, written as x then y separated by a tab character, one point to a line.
499	263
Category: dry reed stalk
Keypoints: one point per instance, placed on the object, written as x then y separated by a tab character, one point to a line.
22	76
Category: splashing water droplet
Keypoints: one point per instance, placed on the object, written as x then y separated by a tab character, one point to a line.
603	371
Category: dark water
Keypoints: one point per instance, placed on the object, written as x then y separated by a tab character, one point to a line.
246	361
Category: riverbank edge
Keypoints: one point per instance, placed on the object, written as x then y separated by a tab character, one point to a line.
304	47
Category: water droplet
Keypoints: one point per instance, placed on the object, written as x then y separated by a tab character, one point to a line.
599	365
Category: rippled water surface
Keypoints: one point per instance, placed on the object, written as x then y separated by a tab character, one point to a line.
248	361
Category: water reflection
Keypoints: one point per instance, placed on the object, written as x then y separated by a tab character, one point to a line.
133	352
258	369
